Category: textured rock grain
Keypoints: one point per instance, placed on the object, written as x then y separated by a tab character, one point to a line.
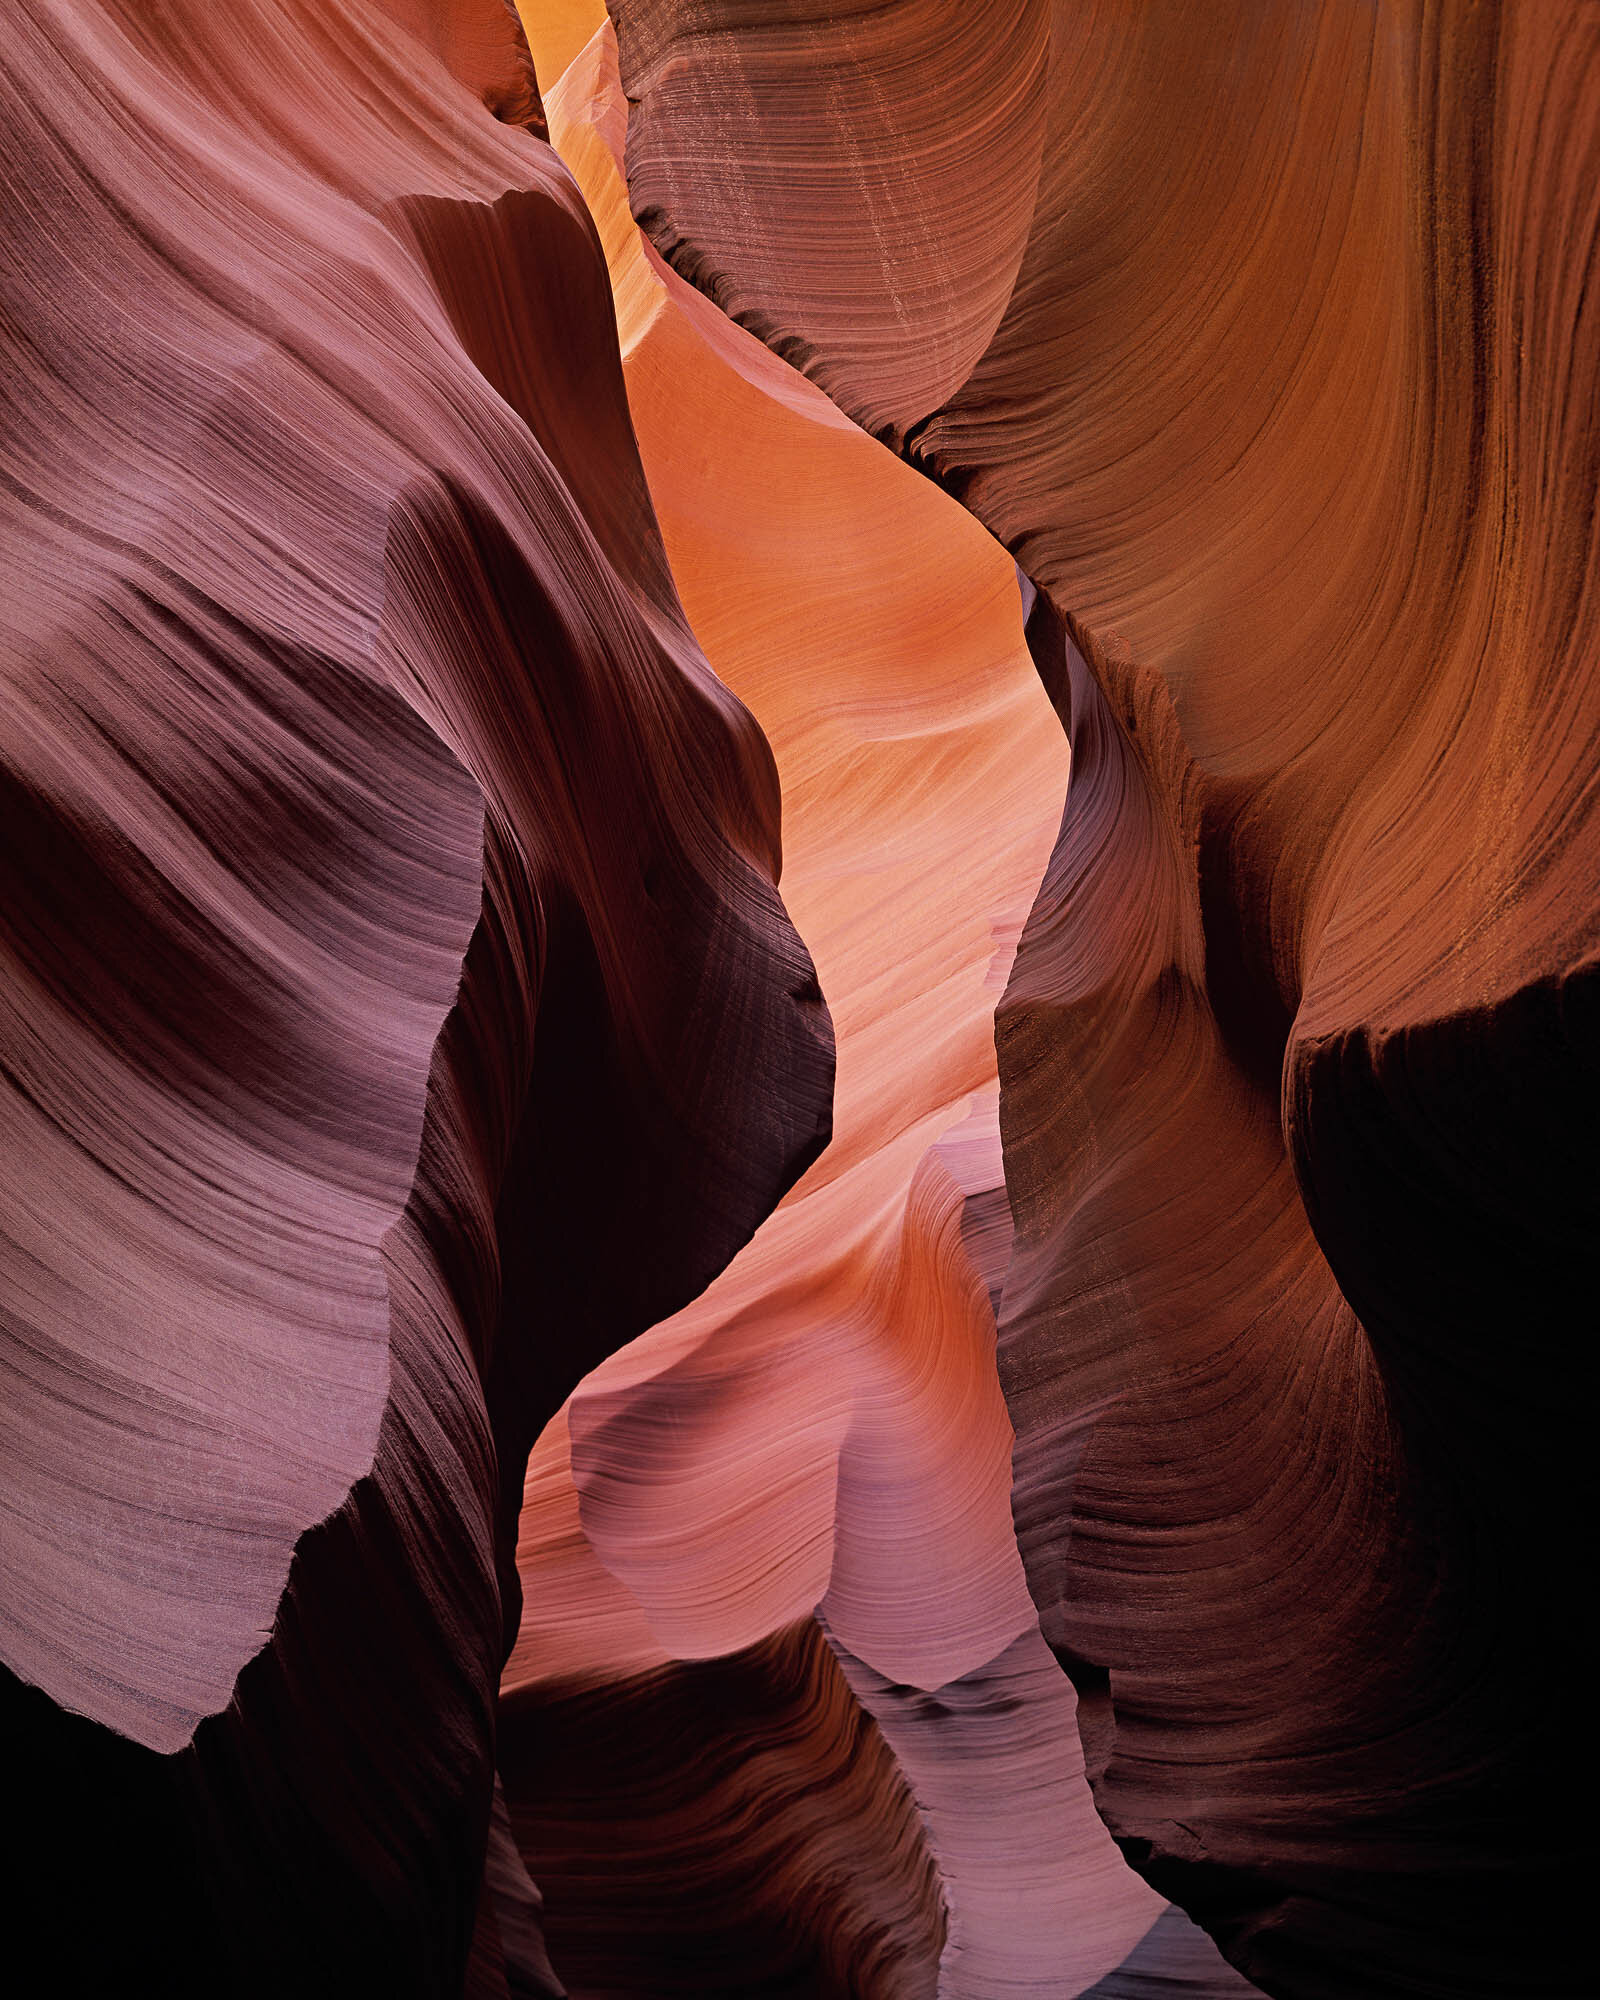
1289	412
399	1012
824	1427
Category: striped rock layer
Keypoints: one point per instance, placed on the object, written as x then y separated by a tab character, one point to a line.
398	1011
1264	338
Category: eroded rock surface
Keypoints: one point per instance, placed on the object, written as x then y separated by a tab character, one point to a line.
1283	393
822	1432
399	1011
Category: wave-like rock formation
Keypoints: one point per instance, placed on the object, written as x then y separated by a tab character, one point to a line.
728	1826
399	1014
1265	339
823	1430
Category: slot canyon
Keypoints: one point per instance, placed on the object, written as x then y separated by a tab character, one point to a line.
801	990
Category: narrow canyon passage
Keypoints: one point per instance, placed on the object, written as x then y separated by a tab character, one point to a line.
1263	338
799	998
822	1431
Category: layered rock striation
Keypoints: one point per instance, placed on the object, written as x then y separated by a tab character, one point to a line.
818	1444
458	1427
1264	340
399	1013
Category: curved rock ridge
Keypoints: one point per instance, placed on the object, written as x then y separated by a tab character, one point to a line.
1173	1956
768	1845
823	1428
399	1013
1290	415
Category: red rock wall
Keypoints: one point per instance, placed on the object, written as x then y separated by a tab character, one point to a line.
399	1013
1263	338
821	1435
459	1430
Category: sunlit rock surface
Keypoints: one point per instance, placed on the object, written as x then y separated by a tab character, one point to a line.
1264	339
1144	1455
823	1430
